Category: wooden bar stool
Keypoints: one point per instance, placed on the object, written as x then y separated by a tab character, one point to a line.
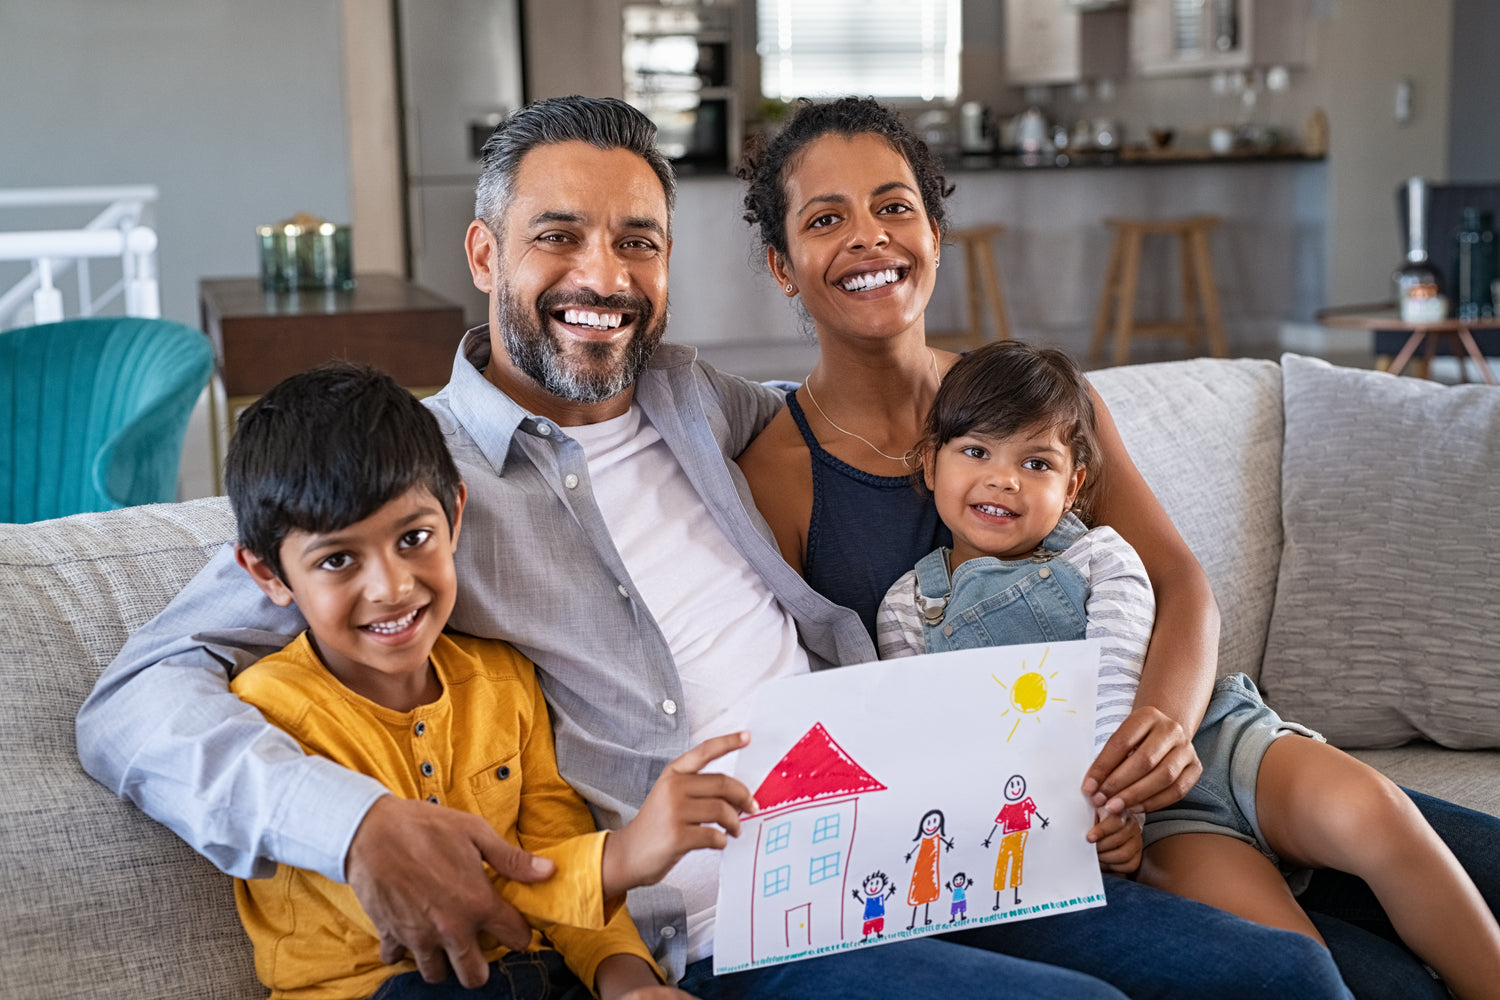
1200	297
982	288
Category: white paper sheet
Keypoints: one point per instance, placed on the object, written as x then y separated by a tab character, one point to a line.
943	789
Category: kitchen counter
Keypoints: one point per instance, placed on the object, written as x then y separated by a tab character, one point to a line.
1131	156
1269	251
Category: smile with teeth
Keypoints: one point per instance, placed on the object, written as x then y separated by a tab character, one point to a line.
871	279
592	318
395	625
994	511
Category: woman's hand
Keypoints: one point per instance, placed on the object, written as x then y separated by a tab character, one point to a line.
1148	763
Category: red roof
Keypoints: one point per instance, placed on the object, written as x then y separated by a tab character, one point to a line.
815	768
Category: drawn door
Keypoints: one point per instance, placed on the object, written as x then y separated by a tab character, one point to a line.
799	926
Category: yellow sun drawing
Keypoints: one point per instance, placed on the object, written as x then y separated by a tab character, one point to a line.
1028	694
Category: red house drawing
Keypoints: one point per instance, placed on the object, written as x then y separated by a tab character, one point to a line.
809	806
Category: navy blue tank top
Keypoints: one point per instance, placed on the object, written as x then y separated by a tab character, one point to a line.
865	530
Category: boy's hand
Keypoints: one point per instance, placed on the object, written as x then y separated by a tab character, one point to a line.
683	813
418	871
1117	839
1148	763
626	977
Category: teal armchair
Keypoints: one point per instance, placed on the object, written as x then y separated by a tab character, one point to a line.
93	413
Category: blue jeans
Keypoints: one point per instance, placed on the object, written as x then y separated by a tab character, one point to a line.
1154	945
517	975
914	969
1151	944
1374	962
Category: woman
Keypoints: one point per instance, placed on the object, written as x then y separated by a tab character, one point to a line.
849	207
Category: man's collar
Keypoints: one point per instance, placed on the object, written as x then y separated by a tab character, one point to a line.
491	417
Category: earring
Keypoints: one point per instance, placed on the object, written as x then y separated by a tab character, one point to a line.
789	288
937	262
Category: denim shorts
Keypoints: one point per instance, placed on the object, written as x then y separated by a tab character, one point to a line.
1233	737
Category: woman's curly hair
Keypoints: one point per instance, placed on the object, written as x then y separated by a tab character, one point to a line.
766	163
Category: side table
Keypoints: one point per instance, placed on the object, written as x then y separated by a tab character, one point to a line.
261	337
1383	319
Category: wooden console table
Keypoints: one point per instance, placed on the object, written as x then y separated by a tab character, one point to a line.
261	337
1379	320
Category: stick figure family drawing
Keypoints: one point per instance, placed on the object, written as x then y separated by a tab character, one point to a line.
1013	822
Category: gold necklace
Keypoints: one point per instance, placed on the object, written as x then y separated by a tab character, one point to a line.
903	459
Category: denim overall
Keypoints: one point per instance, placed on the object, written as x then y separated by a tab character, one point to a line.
997	602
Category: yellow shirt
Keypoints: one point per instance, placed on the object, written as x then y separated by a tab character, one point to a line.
485	747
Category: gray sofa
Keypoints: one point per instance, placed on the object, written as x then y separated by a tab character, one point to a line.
1282	478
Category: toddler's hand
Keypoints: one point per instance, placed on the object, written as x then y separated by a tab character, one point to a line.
684	812
1117	839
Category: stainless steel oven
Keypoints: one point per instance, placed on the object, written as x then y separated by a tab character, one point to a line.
678	70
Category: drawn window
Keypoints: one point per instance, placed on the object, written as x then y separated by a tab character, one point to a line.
826	828
777	880
822	868
778	837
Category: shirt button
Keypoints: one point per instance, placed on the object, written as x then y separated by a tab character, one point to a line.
419	728
502	772
570	481
426	769
623	591
1044	572
433	799
669	706
545	430
668	932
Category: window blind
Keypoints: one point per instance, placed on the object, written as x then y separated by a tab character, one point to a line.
880	48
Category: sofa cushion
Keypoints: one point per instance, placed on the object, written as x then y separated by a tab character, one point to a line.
1384	628
1206	434
102	900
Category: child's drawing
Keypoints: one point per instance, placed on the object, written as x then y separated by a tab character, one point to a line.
878	887
843	760
809	808
1014	823
958	885
925	880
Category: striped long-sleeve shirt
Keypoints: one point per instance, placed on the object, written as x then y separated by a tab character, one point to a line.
1120	608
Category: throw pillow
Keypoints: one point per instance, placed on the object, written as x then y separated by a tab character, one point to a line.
1386	625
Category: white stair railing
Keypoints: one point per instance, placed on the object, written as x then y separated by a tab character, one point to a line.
116	232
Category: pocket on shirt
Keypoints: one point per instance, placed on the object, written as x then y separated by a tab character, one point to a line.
497	790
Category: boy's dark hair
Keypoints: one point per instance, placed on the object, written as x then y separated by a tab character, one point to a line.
765	164
327	448
1010	386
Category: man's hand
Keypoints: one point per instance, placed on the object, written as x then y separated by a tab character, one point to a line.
1117	839
417	869
683	813
1148	763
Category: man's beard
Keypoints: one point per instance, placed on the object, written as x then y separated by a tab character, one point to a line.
599	370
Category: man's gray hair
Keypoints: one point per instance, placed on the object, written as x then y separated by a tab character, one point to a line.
604	122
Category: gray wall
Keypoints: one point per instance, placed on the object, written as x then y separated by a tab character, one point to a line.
1474	138
234	110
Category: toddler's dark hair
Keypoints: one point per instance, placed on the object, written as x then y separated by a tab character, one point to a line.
328	447
1010	386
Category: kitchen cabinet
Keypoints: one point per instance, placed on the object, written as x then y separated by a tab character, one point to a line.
1203	36
1053	41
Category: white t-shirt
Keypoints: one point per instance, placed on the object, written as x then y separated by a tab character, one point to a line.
727	632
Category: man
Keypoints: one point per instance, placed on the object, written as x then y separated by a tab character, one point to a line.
609	538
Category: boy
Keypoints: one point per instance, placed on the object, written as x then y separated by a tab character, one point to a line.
349	505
